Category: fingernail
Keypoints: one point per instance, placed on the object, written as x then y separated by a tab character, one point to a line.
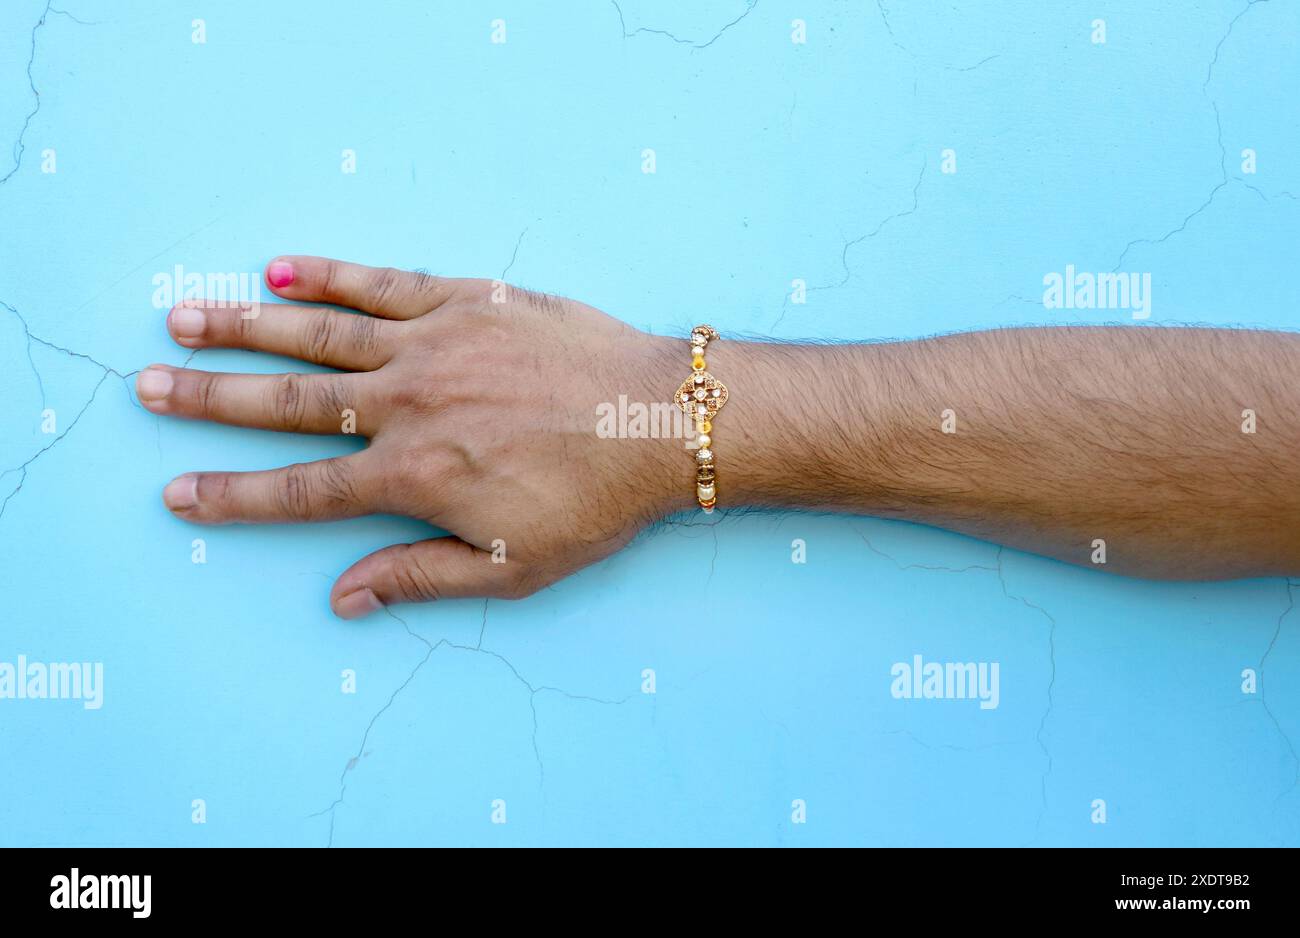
181	492
358	603
187	322
279	274
153	384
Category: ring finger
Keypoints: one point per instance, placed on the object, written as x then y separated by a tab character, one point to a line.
326	490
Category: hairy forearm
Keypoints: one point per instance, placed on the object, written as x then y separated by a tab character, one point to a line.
1046	439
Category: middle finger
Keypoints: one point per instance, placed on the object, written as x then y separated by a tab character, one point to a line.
292	403
351	341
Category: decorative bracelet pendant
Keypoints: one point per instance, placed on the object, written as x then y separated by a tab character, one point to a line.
700	397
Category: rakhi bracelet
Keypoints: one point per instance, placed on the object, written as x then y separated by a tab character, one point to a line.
700	397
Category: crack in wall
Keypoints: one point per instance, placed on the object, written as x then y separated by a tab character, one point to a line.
848	245
75	19
1209	71
19	148
482	629
40	383
970	68
685	42
889	28
23	467
1224	179
949	747
20	145
361	748
107	371
431	647
922	566
1263	698
1051	687
1051	645
518	241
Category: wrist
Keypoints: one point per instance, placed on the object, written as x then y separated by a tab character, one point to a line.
804	425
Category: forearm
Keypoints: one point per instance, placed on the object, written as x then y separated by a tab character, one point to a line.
1060	437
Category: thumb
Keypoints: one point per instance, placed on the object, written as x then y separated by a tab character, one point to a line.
441	568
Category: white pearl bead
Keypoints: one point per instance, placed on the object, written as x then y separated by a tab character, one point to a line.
704	439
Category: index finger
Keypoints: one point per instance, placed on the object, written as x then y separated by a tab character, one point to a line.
380	291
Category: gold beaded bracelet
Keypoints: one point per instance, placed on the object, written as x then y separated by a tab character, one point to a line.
700	397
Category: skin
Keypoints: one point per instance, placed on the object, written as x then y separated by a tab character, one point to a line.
480	402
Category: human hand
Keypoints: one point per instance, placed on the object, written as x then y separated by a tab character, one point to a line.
479	401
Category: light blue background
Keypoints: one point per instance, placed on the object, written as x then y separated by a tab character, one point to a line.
775	161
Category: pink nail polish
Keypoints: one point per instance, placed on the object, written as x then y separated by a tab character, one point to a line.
279	274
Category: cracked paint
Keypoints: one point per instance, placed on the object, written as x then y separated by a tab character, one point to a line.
1263	697
651	31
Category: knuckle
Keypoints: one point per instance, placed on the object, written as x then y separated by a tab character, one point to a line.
329	279
415	482
426	284
408	469
478	291
418	479
465	455
384	283
292	492
547	304
242	328
414	577
288	404
338	484
206	392
419	398
318	337
332	396
365	335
